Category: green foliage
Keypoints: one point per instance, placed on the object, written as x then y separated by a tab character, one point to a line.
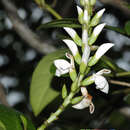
106	62
64	92
127	27
10	120
2	126
66	22
24	122
41	92
73	23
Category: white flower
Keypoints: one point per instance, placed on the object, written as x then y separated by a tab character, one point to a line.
80	11
71	32
98	29
62	66
103	49
100	81
85	102
72	46
100	13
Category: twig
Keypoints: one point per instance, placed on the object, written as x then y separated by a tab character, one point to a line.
3	96
23	30
123	74
120	4
119	83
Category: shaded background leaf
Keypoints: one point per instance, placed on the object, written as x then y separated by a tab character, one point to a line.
41	92
11	119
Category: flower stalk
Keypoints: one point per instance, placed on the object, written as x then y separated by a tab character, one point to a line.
83	61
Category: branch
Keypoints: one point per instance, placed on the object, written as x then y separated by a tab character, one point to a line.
3	96
119	83
23	30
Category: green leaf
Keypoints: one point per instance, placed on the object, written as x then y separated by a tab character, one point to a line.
66	22
24	121
127	27
73	23
41	92
116	29
2	126
10	120
106	62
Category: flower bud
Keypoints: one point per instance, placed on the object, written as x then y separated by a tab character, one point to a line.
88	81
74	35
95	33
95	20
86	17
64	92
92	2
84	2
84	60
74	49
99	53
76	99
80	14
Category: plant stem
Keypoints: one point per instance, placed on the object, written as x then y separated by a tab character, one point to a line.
52	11
55	115
44	5
123	74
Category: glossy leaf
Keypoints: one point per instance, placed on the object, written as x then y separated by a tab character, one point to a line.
73	23
10	120
66	22
41	92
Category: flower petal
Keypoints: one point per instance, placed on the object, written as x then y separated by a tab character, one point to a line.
72	46
98	29
101	83
100	13
84	91
91	108
103	49
80	11
74	35
82	104
62	66
104	71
